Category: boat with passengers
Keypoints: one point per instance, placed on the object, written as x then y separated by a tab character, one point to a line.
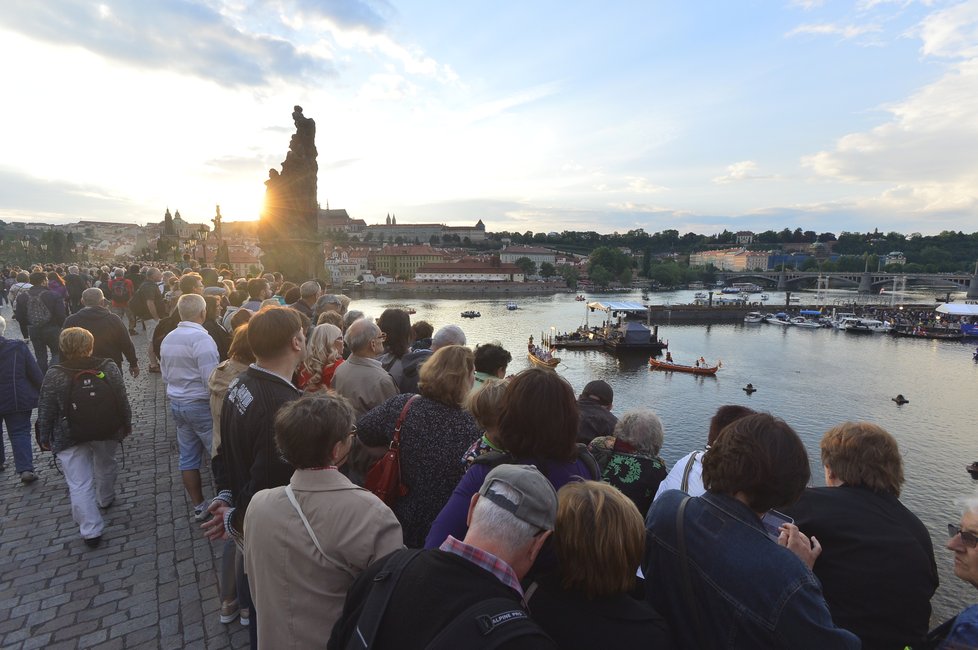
699	369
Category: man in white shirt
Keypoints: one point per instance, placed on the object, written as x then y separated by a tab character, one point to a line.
188	355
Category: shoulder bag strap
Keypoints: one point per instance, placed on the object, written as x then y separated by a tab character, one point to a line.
396	440
487	624
377	599
686	471
687	585
315	540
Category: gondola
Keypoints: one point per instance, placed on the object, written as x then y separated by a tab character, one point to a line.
655	364
537	361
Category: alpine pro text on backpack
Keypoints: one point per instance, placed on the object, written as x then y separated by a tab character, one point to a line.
120	292
37	312
91	407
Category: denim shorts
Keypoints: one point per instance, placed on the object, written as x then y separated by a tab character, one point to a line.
195	426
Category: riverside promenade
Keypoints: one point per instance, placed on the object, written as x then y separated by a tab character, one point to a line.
151	584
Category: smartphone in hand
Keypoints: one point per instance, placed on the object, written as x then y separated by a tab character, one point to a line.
772	521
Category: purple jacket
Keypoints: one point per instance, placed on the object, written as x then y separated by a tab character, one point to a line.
451	519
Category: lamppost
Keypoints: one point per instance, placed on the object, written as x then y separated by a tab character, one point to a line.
203	239
44	251
192	246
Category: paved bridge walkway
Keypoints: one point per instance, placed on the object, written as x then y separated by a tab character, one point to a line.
151	584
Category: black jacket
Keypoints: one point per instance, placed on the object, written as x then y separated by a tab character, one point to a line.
595	421
76	284
248	460
112	339
54	304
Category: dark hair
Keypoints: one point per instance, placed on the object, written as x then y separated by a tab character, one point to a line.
396	324
538	417
724	416
240	317
489	358
212	303
292	295
39	278
271	330
237	298
285	287
422	330
256	286
209	277
240	350
761	456
307	429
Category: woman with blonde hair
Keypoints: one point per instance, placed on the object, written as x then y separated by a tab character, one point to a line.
324	354
435	432
585	603
484	403
87	453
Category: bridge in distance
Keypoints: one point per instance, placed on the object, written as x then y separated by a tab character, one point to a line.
866	281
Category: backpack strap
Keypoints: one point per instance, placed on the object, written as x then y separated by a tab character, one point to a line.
684	486
686	582
487	624
377	600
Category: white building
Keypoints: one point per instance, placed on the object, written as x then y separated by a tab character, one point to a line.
537	255
469	271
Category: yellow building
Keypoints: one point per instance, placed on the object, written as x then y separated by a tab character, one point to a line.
402	262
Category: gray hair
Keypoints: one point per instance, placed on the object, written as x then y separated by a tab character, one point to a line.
309	289
500	525
190	306
118	272
642	429
92	297
448	335
351	317
969	504
360	333
73	269
153	272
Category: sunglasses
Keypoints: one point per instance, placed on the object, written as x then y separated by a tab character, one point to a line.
970	539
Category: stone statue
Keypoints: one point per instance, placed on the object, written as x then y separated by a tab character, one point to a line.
217	224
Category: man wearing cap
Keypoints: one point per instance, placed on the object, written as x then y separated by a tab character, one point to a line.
594	405
465	594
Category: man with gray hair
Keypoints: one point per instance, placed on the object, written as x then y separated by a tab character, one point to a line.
465	594
447	335
361	379
309	293
188	354
75	283
112	341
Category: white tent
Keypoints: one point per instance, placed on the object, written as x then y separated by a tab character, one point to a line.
959	309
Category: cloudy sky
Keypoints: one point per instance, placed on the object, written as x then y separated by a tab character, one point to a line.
702	115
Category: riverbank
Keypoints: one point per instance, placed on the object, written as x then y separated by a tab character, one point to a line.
455	289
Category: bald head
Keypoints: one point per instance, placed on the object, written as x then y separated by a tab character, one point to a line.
360	335
92	297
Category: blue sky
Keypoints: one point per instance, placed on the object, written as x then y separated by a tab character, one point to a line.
825	115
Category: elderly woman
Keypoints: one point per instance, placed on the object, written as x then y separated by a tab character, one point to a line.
435	433
687	473
877	566
713	569
537	426
324	354
629	459
20	381
87	454
961	631
599	539
309	540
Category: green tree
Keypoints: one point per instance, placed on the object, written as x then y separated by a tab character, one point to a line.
529	266
600	275
569	274
547	270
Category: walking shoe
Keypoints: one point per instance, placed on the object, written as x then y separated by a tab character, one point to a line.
229	612
201	513
93	542
245	618
28	477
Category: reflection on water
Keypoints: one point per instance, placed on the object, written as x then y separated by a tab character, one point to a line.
813	379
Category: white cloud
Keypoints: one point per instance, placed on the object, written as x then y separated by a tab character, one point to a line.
807	5
745	170
834	29
951	33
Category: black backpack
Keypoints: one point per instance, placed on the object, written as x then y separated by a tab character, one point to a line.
485	625
120	292
91	407
37	311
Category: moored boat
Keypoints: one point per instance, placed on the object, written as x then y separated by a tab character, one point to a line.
801	321
550	363
754	317
655	364
471	314
929	333
512	306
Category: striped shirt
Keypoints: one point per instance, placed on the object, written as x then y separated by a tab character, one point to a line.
484	560
188	355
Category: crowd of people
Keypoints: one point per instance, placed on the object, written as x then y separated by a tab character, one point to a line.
526	515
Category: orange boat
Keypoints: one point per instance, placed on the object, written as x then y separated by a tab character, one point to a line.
543	363
655	364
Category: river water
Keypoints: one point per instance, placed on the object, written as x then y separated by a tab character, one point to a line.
813	379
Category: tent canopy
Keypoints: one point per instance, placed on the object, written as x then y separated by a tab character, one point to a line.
625	306
958	309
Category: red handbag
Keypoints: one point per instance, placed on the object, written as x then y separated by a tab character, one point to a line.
384	477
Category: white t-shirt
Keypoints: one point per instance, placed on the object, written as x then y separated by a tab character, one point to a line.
674	480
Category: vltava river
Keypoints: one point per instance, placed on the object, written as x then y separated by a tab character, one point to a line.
813	379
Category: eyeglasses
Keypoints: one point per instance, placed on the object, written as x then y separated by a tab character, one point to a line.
970	539
381	337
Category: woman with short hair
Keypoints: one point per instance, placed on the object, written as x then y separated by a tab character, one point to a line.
308	541
629	459
865	531
435	432
20	383
87	458
720	576
537	426
324	354
599	539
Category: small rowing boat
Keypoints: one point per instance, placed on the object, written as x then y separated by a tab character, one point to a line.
543	363
655	364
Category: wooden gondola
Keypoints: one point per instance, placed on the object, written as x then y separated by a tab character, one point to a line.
941	334
537	361
655	364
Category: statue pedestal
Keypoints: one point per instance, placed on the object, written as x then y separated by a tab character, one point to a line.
296	259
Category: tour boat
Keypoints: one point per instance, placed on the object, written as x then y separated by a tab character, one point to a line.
754	317
512	306
470	314
655	364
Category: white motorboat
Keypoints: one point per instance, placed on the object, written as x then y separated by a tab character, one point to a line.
764	296
699	295
512	306
801	321
780	318
754	317
865	326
